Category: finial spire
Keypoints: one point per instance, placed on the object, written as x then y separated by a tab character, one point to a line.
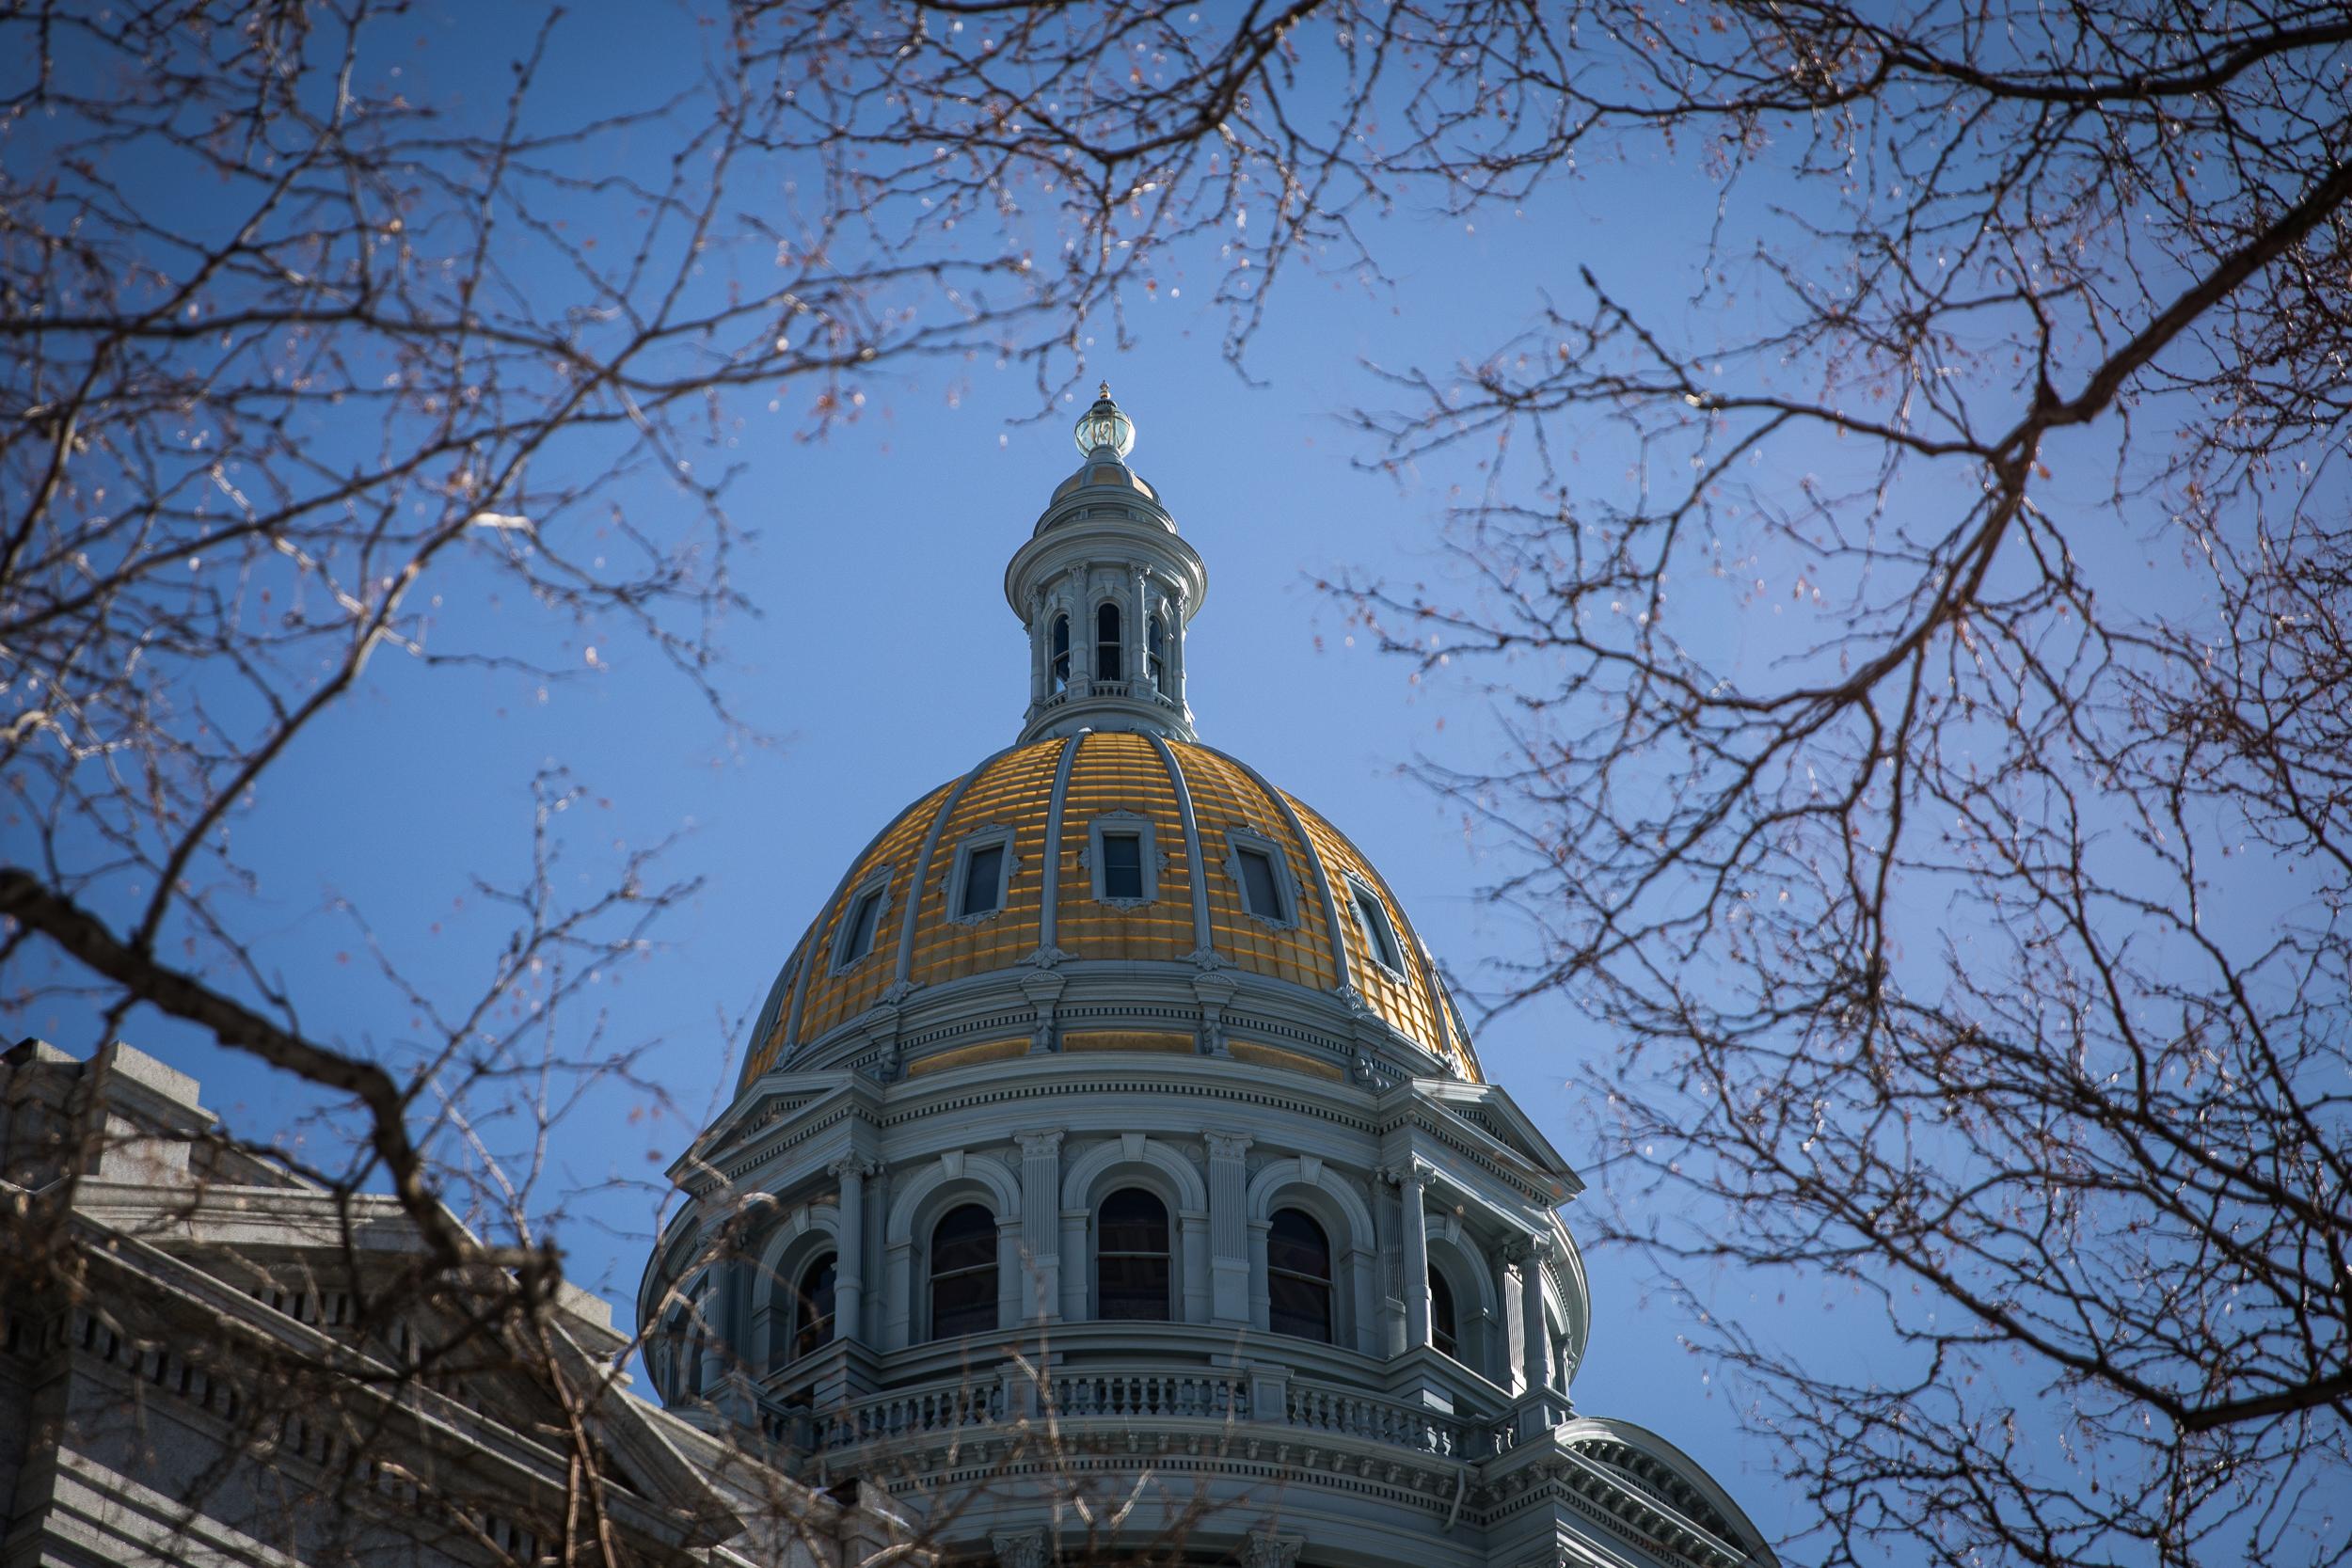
1105	426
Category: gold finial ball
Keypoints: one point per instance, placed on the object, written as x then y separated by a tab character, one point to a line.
1104	425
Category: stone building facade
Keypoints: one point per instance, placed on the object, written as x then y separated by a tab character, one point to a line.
1112	1176
207	1361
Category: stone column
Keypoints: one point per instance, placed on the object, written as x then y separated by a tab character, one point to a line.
714	1319
1229	1228
1041	1206
877	1237
1040	650
1411	1180
1535	1330
848	1279
1139	588
1176	653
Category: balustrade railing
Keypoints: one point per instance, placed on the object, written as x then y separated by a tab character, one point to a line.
1134	1393
911	1413
1194	1394
1350	1413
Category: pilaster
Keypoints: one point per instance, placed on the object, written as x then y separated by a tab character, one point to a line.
1041	1239
1229	1228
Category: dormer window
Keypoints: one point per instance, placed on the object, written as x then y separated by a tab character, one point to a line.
979	880
1261	890
1060	662
857	931
1372	921
977	886
1121	860
1106	644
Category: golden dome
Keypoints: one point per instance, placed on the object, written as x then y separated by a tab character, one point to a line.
1337	942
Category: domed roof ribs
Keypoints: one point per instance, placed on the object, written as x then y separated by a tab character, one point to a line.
1204	947
816	930
779	998
1323	874
1046	952
902	971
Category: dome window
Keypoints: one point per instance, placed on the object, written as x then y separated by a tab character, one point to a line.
1122	865
864	919
1132	1273
1298	1277
1261	891
812	1306
1372	921
977	889
1107	644
964	1273
1060	661
1124	861
1443	1330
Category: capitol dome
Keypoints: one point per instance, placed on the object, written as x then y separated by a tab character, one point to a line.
1110	1178
1119	851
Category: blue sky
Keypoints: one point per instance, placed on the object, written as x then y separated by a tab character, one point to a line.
881	658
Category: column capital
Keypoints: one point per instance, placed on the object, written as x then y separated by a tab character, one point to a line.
1227	1146
1020	1549
853	1164
1038	1144
1265	1549
1535	1248
1408	1173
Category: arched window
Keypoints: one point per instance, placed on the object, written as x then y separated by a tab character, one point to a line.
964	1273
812	1306
1298	1277
1061	665
1106	647
1442	1330
1155	651
1131	1261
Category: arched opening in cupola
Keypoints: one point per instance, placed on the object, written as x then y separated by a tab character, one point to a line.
1107	644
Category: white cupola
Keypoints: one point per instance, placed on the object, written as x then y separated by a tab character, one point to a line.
1105	588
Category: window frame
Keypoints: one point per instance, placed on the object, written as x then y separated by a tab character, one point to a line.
1285	881
960	873
1167	1254
1446	1341
1058	666
1149	853
1385	948
1155	653
1328	1281
993	1268
801	1325
877	886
